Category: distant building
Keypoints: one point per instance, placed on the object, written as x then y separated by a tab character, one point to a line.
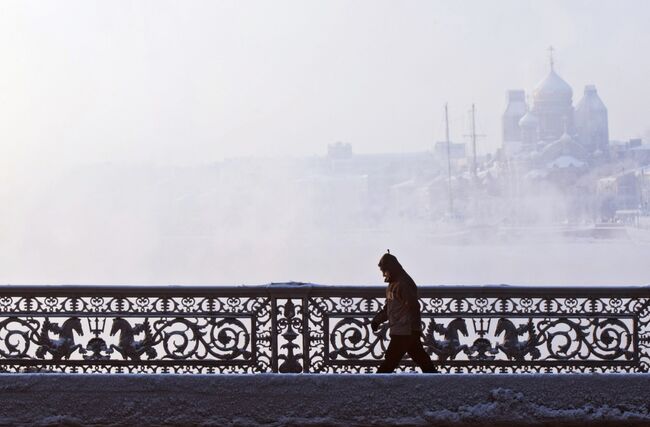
553	142
551	120
620	191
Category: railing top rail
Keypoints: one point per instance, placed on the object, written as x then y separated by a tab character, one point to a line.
296	289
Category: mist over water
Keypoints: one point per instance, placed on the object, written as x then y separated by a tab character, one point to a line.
246	223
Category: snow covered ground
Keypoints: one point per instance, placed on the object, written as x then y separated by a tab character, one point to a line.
327	400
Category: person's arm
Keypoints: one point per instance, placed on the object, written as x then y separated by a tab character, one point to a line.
379	318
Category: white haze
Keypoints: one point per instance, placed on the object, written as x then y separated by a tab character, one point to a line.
118	119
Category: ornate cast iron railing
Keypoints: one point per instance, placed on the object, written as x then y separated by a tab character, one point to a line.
310	328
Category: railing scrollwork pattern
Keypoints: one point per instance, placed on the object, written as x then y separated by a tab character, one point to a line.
294	328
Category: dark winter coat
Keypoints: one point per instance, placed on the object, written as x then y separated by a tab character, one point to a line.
402	308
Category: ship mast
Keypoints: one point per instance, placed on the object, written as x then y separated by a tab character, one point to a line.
451	198
474	142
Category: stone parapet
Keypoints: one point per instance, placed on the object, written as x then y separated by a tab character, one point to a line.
325	399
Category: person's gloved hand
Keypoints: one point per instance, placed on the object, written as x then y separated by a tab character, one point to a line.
375	325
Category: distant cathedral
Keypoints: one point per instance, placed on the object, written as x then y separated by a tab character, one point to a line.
551	127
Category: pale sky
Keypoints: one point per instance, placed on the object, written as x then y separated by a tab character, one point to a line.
196	81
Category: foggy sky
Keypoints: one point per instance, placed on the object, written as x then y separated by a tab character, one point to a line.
103	105
187	82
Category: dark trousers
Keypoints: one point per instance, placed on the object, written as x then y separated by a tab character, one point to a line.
400	345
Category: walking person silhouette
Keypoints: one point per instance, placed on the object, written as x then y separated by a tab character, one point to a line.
402	310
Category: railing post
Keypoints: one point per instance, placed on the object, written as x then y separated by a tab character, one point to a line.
305	335
274	334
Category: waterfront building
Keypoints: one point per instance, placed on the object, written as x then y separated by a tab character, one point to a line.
551	120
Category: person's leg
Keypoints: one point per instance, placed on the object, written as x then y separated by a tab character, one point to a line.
397	347
419	356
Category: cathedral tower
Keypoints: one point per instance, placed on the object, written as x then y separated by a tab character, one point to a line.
515	109
552	105
591	121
